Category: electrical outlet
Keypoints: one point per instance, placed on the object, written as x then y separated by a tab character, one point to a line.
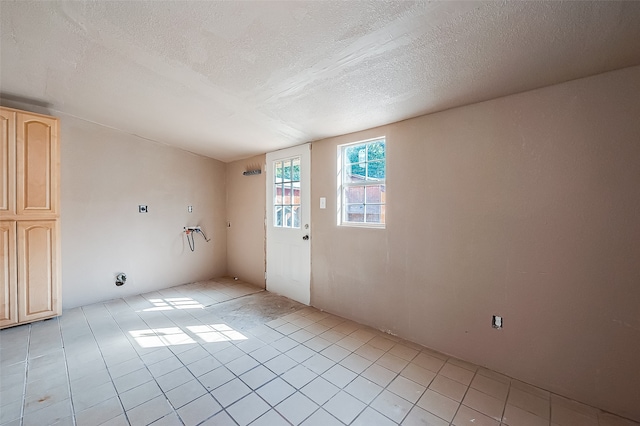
496	322
142	209
190	209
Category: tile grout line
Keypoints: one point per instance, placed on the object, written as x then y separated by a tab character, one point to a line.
506	401
320	406
66	367
176	355
26	377
432	390
463	397
108	323
145	366
223	409
105	365
397	374
284	372
253	391
392	380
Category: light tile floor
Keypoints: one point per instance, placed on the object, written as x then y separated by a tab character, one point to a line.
167	358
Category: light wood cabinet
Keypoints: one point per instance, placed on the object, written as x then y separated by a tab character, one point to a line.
29	212
37	165
38	272
7	162
8	277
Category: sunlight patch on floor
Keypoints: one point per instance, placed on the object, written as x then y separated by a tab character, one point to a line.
171	303
173	336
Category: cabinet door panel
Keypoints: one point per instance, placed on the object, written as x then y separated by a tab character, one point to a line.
37	270
7	161
37	164
8	282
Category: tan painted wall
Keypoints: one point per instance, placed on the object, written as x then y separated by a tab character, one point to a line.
246	212
105	176
526	206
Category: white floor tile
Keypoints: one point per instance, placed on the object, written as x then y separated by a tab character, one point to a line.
179	367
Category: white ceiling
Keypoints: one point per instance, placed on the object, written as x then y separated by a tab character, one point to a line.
233	79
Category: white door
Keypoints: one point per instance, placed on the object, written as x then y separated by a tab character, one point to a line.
289	222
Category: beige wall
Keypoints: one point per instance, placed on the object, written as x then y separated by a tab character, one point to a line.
526	206
105	176
245	213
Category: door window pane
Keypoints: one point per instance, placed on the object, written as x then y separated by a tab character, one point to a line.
286	196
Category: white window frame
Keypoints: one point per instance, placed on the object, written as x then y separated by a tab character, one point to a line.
342	186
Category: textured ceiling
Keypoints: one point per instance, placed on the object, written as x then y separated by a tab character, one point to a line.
233	79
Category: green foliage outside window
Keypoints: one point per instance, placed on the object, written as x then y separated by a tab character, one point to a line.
366	161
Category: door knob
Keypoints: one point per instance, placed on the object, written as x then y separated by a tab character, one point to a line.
306	237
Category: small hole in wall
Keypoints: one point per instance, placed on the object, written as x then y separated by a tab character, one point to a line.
496	322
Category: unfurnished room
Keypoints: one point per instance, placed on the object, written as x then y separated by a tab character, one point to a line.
320	213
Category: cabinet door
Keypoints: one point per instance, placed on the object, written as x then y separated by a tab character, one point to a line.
38	279
7	161
38	162
8	281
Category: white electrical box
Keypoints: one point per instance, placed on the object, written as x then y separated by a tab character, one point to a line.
496	321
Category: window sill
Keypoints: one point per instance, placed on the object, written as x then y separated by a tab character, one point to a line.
363	225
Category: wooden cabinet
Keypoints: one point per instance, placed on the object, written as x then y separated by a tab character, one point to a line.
37	165
29	217
7	162
8	275
38	272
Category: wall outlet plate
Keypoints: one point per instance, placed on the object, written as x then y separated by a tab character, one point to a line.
190	209
142	209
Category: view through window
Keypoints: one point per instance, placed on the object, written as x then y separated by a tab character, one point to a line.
286	193
361	178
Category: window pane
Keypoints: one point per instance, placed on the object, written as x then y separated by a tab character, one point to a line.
277	194
376	151
287	170
375	194
353	155
354	173
354	213
288	215
374	213
296	169
354	194
376	170
277	174
286	199
296	216
296	193
277	216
